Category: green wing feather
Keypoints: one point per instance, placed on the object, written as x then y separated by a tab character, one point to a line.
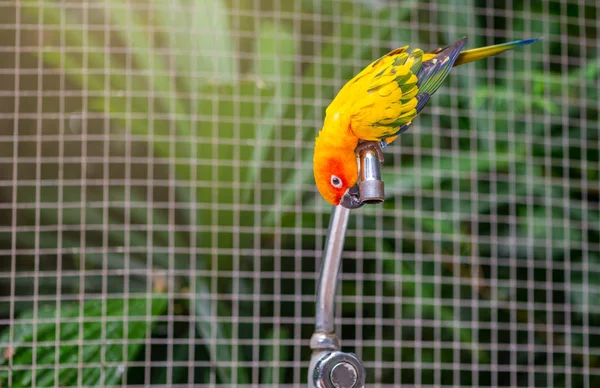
434	71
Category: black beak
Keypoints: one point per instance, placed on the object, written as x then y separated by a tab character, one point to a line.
351	199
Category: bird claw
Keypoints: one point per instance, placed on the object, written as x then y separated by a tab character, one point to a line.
370	145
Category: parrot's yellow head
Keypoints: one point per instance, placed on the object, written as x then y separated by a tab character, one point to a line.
336	172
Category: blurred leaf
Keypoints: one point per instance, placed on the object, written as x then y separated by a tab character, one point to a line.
275	66
73	213
175	21
555	83
451	320
502	96
73	67
132	31
586	299
274	355
218	334
431	171
199	30
123	322
217	179
214	44
179	374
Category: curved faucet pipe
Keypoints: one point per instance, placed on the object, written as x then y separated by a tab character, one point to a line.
329	367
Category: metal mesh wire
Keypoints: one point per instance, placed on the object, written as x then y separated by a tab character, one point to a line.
160	225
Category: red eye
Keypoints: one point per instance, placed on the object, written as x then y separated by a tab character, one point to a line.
336	182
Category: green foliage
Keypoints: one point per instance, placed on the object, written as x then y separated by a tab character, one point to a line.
492	195
113	331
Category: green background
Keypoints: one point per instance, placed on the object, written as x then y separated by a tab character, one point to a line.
161	151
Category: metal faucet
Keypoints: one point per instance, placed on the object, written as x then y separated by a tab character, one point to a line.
329	366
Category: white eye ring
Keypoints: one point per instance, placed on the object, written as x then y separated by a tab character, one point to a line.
336	182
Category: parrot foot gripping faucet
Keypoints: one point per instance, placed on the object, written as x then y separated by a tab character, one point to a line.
329	366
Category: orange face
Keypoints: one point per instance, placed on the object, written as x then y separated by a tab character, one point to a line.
336	174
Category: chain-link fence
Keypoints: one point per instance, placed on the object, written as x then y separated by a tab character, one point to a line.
160	223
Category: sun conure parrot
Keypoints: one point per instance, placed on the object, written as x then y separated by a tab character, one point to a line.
378	104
